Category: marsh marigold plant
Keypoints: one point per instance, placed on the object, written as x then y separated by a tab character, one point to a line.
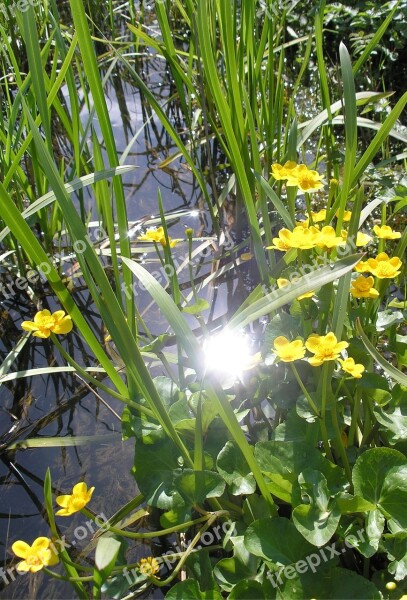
46	323
382	267
324	348
289	351
37	556
349	366
156	234
72	503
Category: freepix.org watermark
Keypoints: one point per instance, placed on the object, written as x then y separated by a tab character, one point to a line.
314	560
19	284
20	6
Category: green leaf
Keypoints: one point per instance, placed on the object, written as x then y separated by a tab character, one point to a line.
282	461
393	497
374	529
276	539
235	470
254	507
247	590
190	589
353	504
195	309
376	388
229	571
277	298
335	584
106	553
196	486
388	367
176	516
371	469
395	546
387	318
155	468
393	418
318	519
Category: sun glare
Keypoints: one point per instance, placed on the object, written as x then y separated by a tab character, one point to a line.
228	353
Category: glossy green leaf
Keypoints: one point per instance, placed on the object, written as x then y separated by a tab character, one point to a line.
196	486
281	462
276	540
370	471
190	589
318	519
235	471
393	497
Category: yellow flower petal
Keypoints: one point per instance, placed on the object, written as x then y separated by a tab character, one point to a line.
63	326
41	543
63	500
21	549
23	566
80	489
28	326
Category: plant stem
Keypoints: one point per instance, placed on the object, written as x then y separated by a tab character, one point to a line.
304	391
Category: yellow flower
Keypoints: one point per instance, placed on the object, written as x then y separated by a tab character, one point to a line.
327	238
362	287
349	366
319	216
304	224
35	557
289	351
279	244
333	182
386	233
300	237
324	347
346	215
72	503
44	323
384	267
304	178
280	172
283	282
148	566
362	239
155	234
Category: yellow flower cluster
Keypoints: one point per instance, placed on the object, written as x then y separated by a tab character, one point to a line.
46	323
323	347
381	267
299	176
304	238
156	234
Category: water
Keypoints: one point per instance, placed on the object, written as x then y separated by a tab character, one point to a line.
61	405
